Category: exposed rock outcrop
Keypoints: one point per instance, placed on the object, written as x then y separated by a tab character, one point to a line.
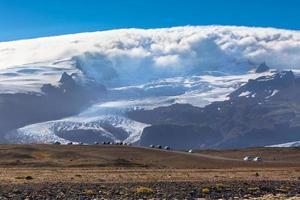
55	102
263	112
262	68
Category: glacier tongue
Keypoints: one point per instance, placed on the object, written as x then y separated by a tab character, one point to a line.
289	144
46	132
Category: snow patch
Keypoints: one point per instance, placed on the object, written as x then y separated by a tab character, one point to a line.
274	92
245	94
289	144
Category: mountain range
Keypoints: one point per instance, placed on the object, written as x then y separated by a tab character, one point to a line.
185	87
262	112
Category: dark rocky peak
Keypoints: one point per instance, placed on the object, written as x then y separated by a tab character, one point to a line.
277	80
49	89
265	85
262	68
65	77
66	84
286	78
66	81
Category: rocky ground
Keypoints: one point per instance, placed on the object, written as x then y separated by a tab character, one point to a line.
121	172
155	190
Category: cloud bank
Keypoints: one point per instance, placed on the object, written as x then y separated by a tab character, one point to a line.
128	56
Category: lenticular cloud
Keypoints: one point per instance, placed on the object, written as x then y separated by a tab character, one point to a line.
134	55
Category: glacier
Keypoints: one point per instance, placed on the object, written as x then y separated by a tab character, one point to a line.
289	144
195	90
142	69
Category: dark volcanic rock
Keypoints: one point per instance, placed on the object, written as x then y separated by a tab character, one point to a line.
160	190
262	68
181	114
264	86
67	80
265	111
18	110
182	137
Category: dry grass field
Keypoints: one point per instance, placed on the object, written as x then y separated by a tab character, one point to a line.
115	156
36	171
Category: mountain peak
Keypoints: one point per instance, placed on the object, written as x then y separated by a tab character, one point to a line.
262	68
264	85
65	77
66	81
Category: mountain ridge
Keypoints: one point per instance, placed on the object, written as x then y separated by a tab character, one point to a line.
259	118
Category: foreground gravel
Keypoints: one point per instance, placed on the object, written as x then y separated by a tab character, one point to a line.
157	190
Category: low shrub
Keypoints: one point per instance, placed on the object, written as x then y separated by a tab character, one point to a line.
89	192
28	177
205	190
144	190
220	186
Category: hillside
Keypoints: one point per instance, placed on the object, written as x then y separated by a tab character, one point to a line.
264	111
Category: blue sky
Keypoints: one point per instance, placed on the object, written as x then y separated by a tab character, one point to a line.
21	19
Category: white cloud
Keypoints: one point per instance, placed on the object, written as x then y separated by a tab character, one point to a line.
136	55
167	61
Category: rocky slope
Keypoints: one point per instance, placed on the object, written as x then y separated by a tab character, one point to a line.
264	111
68	98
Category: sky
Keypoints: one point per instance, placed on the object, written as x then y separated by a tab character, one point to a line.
22	19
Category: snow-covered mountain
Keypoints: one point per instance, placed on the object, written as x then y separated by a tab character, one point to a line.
131	56
196	90
141	69
264	111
